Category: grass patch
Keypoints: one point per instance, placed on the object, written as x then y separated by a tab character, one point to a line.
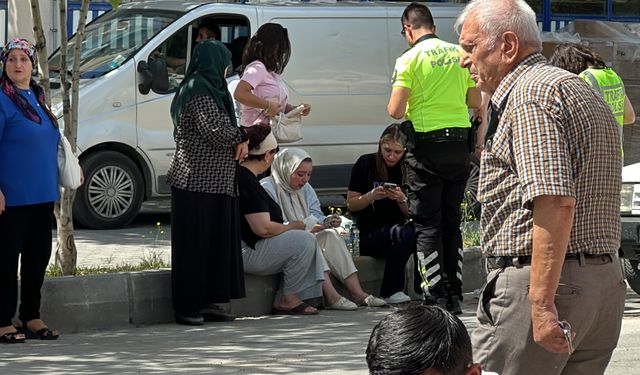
470	234
150	260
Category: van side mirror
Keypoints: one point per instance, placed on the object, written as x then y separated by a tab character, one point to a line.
160	83
155	76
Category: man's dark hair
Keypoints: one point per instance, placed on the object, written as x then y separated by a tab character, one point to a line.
270	45
418	16
213	30
418	339
576	58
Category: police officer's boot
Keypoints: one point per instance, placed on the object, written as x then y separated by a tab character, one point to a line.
453	304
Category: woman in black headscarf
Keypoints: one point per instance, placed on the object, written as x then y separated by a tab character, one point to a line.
206	258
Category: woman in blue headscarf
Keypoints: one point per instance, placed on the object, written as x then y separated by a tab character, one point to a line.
206	257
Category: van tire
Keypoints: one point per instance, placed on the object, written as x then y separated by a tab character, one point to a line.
112	192
471	212
631	272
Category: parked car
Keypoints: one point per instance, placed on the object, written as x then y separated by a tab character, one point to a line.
630	218
133	59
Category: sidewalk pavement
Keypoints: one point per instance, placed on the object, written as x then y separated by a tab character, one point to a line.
332	342
141	239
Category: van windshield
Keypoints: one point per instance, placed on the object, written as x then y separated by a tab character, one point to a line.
112	39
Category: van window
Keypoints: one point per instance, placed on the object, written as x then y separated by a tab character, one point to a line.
112	39
174	52
234	33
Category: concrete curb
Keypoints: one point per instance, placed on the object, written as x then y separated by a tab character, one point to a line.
81	303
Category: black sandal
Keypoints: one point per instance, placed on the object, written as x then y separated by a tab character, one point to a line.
41	334
16	337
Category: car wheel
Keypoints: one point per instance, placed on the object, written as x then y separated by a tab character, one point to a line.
471	206
632	273
112	192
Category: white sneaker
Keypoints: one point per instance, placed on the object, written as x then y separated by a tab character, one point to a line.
372	301
398	297
343	304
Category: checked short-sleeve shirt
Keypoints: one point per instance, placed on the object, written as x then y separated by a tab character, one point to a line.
555	136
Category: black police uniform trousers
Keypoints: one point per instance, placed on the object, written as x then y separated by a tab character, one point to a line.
436	172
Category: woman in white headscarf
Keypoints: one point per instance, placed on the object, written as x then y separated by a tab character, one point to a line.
288	186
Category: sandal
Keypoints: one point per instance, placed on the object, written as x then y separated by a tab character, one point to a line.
12	338
41	334
301	309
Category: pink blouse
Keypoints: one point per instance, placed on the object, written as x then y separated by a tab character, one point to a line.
266	85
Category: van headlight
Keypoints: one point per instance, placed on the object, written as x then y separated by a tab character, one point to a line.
630	199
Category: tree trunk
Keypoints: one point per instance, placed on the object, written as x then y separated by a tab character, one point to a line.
41	48
66	251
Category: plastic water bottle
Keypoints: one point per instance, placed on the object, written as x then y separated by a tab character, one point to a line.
347	238
355	241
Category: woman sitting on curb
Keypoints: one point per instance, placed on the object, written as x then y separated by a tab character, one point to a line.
269	246
288	186
380	208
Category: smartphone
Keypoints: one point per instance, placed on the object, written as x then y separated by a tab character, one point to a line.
389	185
296	111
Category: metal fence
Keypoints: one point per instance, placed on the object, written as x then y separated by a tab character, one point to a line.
73	8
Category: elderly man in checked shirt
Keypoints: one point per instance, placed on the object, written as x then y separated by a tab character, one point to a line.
550	188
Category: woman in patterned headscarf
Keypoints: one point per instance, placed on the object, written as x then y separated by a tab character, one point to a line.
28	189
206	259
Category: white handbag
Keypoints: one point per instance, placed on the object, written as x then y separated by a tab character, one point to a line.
69	171
286	129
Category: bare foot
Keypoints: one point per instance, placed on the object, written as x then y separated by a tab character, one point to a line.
7	329
33	325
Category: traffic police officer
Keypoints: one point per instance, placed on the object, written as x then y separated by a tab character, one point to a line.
432	91
590	66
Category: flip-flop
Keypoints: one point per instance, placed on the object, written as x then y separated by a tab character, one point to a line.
12	338
41	334
298	310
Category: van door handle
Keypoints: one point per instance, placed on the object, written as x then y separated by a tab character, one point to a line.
116	104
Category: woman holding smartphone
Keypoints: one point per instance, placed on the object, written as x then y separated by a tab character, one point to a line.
380	209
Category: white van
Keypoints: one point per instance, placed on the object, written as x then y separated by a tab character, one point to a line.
341	63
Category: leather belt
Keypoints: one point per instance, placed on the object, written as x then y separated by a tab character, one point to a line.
523	260
447	134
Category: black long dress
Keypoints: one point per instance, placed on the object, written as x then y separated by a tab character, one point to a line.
206	257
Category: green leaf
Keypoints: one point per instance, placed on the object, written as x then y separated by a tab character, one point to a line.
114	4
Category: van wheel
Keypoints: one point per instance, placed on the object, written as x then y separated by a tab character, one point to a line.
471	206
112	192
632	273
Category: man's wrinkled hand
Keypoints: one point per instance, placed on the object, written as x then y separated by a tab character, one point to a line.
546	330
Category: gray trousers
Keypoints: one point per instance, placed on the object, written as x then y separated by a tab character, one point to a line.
590	297
295	254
